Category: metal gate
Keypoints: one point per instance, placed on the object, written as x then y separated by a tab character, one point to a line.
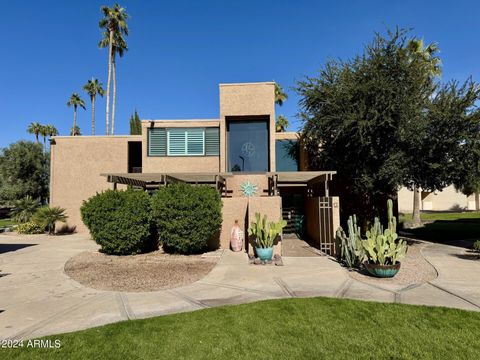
321	218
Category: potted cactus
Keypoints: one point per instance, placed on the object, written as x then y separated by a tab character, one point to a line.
263	235
382	248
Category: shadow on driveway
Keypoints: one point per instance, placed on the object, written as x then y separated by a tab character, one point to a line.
4	248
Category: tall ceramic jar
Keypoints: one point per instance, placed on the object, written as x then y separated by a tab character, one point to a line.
236	237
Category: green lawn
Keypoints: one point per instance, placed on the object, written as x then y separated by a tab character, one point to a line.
444	216
446	227
6	222
279	329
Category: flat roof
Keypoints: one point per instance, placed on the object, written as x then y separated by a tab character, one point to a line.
248	83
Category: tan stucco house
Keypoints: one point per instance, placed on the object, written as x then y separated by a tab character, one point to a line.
238	150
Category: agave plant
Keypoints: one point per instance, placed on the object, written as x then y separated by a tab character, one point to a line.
24	209
48	216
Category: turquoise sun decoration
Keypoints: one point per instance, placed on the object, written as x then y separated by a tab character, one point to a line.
249	189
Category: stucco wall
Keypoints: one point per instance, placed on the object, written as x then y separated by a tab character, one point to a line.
234	184
243	209
76	165
448	199
270	206
156	164
243	100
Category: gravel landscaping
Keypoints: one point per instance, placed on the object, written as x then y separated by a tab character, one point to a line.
414	270
138	273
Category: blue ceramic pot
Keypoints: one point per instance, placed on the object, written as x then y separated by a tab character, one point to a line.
264	253
383	271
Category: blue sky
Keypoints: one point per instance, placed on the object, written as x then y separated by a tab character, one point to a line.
181	50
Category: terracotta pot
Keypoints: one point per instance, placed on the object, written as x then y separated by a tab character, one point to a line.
236	237
383	271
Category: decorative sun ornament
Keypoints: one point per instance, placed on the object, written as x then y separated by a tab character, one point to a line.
249	189
248	149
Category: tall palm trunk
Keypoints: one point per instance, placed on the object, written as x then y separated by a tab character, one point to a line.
36	136
114	74
93	114
44	144
74	120
110	48
416	206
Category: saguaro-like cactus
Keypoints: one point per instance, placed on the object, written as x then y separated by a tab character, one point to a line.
351	250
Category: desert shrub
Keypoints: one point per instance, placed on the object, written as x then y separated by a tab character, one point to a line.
476	245
187	217
46	217
120	221
30	227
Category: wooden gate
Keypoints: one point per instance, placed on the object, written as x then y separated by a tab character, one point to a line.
321	220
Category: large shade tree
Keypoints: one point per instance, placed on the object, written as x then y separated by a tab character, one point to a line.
114	22
76	101
93	88
368	117
24	172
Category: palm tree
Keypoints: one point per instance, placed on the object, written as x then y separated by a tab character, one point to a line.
51	131
34	128
48	216
75	131
114	21
44	133
280	95
75	101
119	47
93	88
281	124
24	209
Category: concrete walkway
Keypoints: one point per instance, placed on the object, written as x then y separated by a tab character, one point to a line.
37	298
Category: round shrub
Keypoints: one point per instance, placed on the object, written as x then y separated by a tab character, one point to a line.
30	227
188	217
120	221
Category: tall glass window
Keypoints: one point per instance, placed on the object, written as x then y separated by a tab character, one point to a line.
286	153
248	145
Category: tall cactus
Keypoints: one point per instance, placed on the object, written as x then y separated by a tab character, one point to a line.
265	234
351	252
381	246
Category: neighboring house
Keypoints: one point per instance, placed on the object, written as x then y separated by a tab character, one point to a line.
448	199
239	153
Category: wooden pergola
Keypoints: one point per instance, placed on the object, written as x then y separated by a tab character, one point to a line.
276	180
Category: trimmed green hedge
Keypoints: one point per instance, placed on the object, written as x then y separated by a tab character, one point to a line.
120	221
188	218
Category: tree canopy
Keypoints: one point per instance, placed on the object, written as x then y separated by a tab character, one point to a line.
135	124
381	120
24	172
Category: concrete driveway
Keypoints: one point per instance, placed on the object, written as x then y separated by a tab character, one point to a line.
37	298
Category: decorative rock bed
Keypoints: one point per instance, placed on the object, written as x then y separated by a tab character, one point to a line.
138	273
414	269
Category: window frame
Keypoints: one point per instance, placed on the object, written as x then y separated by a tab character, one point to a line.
186	154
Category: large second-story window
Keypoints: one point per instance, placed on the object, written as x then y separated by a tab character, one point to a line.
183	142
